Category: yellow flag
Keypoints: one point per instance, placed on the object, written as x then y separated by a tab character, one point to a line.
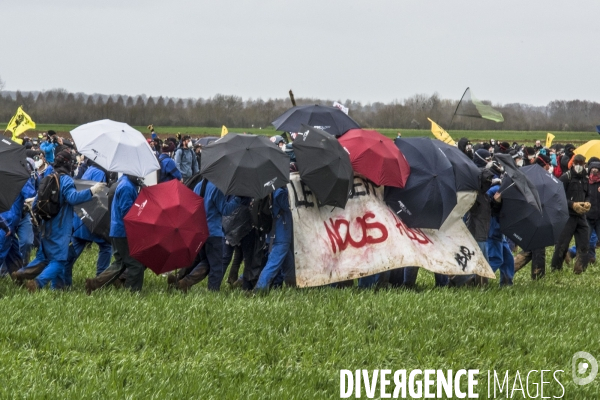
224	131
20	123
441	134
549	138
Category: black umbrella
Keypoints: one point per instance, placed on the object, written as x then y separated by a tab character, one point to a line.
206	140
331	119
520	181
13	172
94	213
245	165
522	222
466	172
324	166
430	191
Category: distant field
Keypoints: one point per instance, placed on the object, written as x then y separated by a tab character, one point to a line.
527	137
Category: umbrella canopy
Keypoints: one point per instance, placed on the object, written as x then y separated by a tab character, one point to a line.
430	191
376	157
13	172
206	140
94	213
520	180
116	147
324	166
522	222
331	119
245	165
466	173
166	227
589	149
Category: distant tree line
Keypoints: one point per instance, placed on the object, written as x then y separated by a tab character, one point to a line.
62	107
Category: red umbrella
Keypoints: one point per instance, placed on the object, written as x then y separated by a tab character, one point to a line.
376	157
166	227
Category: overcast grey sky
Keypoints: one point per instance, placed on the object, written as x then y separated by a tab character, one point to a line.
528	51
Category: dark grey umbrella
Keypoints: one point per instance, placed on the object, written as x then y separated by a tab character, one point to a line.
520	180
13	172
331	119
324	166
430	191
94	213
206	140
522	222
466	172
245	165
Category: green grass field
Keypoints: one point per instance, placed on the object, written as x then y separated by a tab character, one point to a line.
289	344
527	137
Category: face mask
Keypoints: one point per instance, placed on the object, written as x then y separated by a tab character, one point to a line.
519	163
38	164
190	145
578	168
551	169
489	164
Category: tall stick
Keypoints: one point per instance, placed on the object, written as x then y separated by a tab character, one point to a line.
458	105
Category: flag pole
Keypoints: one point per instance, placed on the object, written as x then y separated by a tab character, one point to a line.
458	105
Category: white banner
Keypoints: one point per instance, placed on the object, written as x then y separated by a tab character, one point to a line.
365	238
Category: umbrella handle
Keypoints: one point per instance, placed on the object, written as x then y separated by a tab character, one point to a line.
509	186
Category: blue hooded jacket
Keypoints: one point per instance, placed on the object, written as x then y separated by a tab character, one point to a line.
282	215
125	196
48	148
56	232
216	206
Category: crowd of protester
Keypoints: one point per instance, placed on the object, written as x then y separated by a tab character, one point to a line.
266	247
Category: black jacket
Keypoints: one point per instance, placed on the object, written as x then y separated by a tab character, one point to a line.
564	161
576	188
594	196
478	220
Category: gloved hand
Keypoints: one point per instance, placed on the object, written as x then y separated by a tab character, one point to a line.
29	201
579	208
587	206
496	181
97	188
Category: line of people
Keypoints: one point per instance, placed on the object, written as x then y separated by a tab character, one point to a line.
259	231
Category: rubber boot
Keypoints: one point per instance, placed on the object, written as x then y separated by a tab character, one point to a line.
521	260
31	286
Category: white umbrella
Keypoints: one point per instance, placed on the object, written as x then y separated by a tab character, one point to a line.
116	147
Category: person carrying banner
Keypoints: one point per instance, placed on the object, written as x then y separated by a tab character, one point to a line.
280	264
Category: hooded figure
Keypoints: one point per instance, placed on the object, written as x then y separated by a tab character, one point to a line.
481	158
503	148
564	161
52	256
126	193
465	146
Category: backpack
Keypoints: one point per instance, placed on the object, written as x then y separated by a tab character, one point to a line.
557	170
48	198
260	211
